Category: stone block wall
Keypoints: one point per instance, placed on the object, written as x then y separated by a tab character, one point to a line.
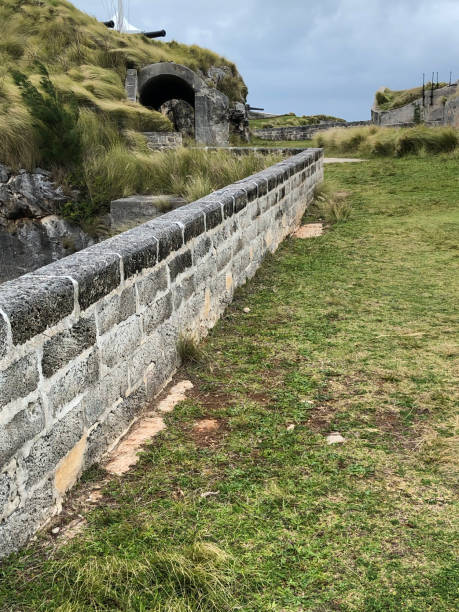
304	132
86	341
156	141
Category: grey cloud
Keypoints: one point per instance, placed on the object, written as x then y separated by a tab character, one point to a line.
313	57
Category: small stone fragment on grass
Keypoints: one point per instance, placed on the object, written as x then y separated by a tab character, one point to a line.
291	427
335	438
246	310
311	230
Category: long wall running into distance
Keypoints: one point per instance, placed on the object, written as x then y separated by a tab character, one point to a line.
86	341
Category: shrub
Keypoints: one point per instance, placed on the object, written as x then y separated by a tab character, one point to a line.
55	121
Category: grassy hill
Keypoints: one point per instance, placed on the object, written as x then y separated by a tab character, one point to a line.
290	120
85	60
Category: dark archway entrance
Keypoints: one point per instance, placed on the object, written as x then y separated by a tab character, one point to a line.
164	88
165	82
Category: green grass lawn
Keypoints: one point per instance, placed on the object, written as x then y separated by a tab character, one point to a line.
350	332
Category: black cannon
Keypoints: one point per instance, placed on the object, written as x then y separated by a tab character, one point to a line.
158	34
109	24
254	108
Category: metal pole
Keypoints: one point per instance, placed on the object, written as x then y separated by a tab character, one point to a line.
432	89
120	16
423	89
438	84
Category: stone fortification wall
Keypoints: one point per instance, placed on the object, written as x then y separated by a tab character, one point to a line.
443	111
158	141
302	132
86	341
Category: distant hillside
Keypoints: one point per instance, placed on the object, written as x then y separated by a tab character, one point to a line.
291	120
86	59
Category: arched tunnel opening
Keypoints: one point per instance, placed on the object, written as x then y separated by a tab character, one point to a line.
163	88
173	97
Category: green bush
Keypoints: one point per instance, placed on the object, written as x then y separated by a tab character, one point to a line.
55	121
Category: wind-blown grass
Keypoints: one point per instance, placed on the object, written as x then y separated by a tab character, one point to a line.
393	142
86	59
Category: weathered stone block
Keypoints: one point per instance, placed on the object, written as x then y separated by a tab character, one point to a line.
63	347
192	219
46	452
115	309
183	291
202	248
147	355
138	249
224	257
24	522
19	379
8	495
169	236
76	380
34	304
121	341
96	270
116	422
179	264
156	282
159	312
3	337
24	426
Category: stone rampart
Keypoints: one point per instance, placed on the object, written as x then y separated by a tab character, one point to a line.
439	109
85	342
158	141
304	132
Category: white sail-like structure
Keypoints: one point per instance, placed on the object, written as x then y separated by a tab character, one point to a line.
123	25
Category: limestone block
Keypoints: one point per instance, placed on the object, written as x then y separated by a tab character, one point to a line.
179	264
77	379
24	426
183	290
156	282
19	379
202	249
47	451
8	494
3	337
34	303
23	523
191	219
96	270
62	348
137	249
115	308
169	235
135	210
157	313
119	343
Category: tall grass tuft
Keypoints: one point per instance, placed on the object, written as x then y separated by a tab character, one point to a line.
391	142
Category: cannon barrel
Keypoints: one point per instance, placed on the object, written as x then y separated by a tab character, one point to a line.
158	34
254	108
109	24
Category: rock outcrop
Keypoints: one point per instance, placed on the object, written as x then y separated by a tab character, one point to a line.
31	232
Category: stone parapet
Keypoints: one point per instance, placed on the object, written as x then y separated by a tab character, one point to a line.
86	341
304	132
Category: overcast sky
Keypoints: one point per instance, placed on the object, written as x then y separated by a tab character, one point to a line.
311	57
